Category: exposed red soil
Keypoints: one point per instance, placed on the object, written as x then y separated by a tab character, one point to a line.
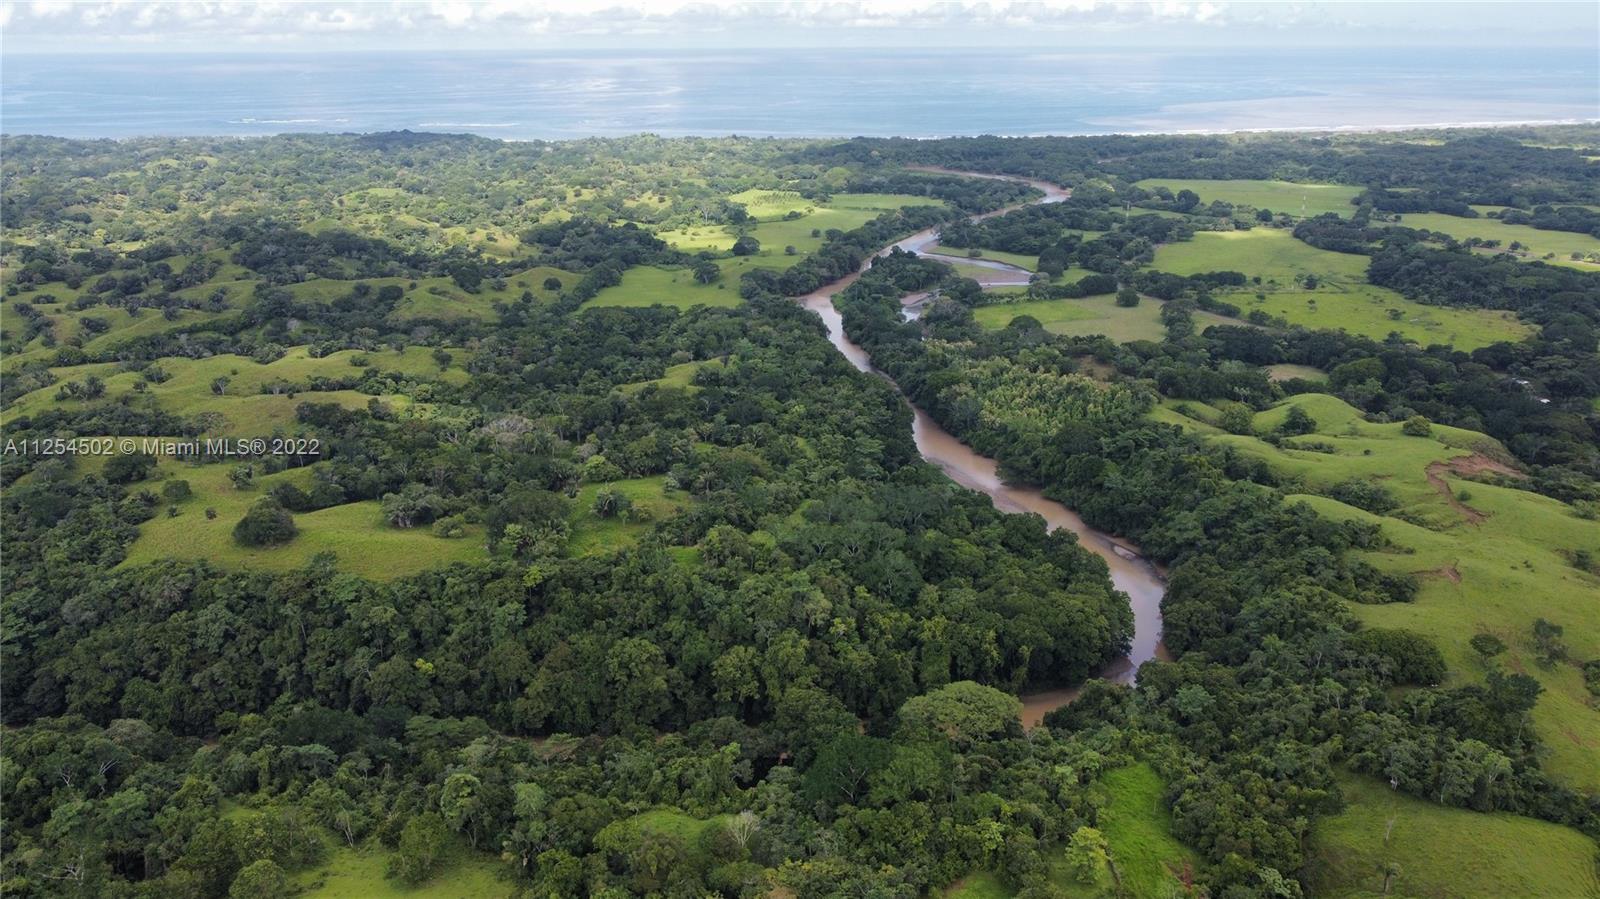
1465	467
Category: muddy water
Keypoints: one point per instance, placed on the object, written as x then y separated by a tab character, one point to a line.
1135	576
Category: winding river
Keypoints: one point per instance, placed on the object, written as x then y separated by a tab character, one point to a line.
1133	575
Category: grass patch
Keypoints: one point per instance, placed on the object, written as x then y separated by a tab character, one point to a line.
650	285
1539	243
1285	371
678	376
1019	260
1342	299
1439	851
1138	829
1278	196
359	874
246	409
355	532
593	534
1093	315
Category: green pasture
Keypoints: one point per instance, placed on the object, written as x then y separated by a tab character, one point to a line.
1278	196
1092	315
359	874
355	532
592	534
1342	298
242	403
651	285
1559	245
1020	260
1431	850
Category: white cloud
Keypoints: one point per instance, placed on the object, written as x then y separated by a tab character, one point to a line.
468	24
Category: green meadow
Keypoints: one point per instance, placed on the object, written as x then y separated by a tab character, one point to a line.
359	874
1488	559
1278	196
242	404
1342	298
1558	245
1092	315
355	532
776	231
1387	843
1017	259
650	285
593	534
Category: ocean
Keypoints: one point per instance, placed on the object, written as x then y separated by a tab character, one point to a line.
823	93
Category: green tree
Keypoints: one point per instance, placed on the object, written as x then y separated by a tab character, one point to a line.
261	879
266	524
423	842
1086	854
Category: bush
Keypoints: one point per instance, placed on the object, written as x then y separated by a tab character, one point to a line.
1417	426
176	491
266	524
1374	498
1127	297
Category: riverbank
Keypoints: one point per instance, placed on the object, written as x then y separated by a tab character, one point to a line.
1142	581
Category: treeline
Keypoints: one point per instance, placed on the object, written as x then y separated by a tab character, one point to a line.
1496	167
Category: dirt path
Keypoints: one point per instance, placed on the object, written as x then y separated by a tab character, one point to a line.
1465	467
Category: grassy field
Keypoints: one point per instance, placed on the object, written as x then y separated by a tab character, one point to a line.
1341	300
1488	559
1092	315
678	376
1562	244
1278	196
1137	827
440	297
649	285
355	532
775	232
593	534
359	874
1444	852
1017	259
1288	370
245	408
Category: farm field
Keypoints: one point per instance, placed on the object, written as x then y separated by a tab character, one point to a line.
1433	850
1093	315
1489	559
1278	196
355	532
1559	245
1342	299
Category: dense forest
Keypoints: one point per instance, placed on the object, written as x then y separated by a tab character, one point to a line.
574	560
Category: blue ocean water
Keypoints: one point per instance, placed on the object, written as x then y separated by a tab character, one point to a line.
918	93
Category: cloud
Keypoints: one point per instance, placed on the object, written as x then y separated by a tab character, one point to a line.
482	24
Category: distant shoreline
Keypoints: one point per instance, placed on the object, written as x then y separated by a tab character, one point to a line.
1182	132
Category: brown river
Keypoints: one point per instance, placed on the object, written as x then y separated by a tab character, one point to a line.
1138	578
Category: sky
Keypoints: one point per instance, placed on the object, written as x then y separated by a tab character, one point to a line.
124	26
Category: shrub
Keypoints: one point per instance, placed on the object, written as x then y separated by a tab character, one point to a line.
266	524
1417	426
